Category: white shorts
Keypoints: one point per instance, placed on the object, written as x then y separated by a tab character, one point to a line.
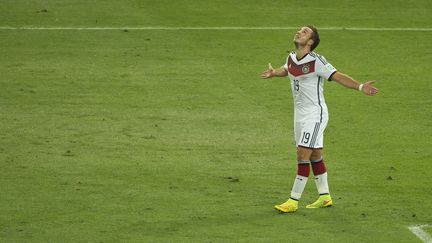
310	134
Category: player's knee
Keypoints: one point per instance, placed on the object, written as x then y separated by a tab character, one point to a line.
304	154
302	157
316	155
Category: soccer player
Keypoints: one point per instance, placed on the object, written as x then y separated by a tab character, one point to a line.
307	71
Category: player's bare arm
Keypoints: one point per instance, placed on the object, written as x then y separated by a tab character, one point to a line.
345	80
271	72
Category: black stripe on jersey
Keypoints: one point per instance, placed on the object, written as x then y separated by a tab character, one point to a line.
322	60
319	99
313	54
315	134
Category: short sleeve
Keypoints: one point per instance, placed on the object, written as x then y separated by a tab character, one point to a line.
286	64
324	69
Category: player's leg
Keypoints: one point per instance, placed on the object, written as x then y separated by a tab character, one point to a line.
305	149
303	171
303	167
320	173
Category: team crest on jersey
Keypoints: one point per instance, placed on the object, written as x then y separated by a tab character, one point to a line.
300	69
305	68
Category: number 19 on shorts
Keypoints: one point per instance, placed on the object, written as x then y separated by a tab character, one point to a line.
310	134
306	137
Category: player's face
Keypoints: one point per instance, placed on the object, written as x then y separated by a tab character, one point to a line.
302	36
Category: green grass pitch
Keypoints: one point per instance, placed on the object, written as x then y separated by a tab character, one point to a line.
171	135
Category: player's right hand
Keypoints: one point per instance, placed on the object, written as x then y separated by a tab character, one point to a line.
268	73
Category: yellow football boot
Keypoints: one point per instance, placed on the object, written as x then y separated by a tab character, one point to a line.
322	202
289	206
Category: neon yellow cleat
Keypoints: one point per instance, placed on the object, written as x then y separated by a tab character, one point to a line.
289	206
322	202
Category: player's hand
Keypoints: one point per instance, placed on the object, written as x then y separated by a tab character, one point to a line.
369	89
268	73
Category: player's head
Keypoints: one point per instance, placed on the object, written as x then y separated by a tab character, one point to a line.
307	36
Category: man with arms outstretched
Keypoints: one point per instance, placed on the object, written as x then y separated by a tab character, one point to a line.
307	71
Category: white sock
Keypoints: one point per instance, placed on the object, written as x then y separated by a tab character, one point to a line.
298	187
321	183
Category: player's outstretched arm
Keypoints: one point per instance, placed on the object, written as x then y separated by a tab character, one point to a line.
345	80
271	72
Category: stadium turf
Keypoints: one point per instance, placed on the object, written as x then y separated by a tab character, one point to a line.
170	135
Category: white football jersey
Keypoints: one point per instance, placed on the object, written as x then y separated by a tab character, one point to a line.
307	76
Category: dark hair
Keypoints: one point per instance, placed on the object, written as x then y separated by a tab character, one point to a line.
314	37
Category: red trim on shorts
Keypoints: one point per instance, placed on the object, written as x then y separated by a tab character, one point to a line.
309	147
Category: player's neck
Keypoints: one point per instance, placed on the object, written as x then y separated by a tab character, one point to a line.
301	52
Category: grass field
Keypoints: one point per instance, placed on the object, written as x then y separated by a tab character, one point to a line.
171	135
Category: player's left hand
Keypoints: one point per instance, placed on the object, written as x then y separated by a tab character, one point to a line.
369	89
